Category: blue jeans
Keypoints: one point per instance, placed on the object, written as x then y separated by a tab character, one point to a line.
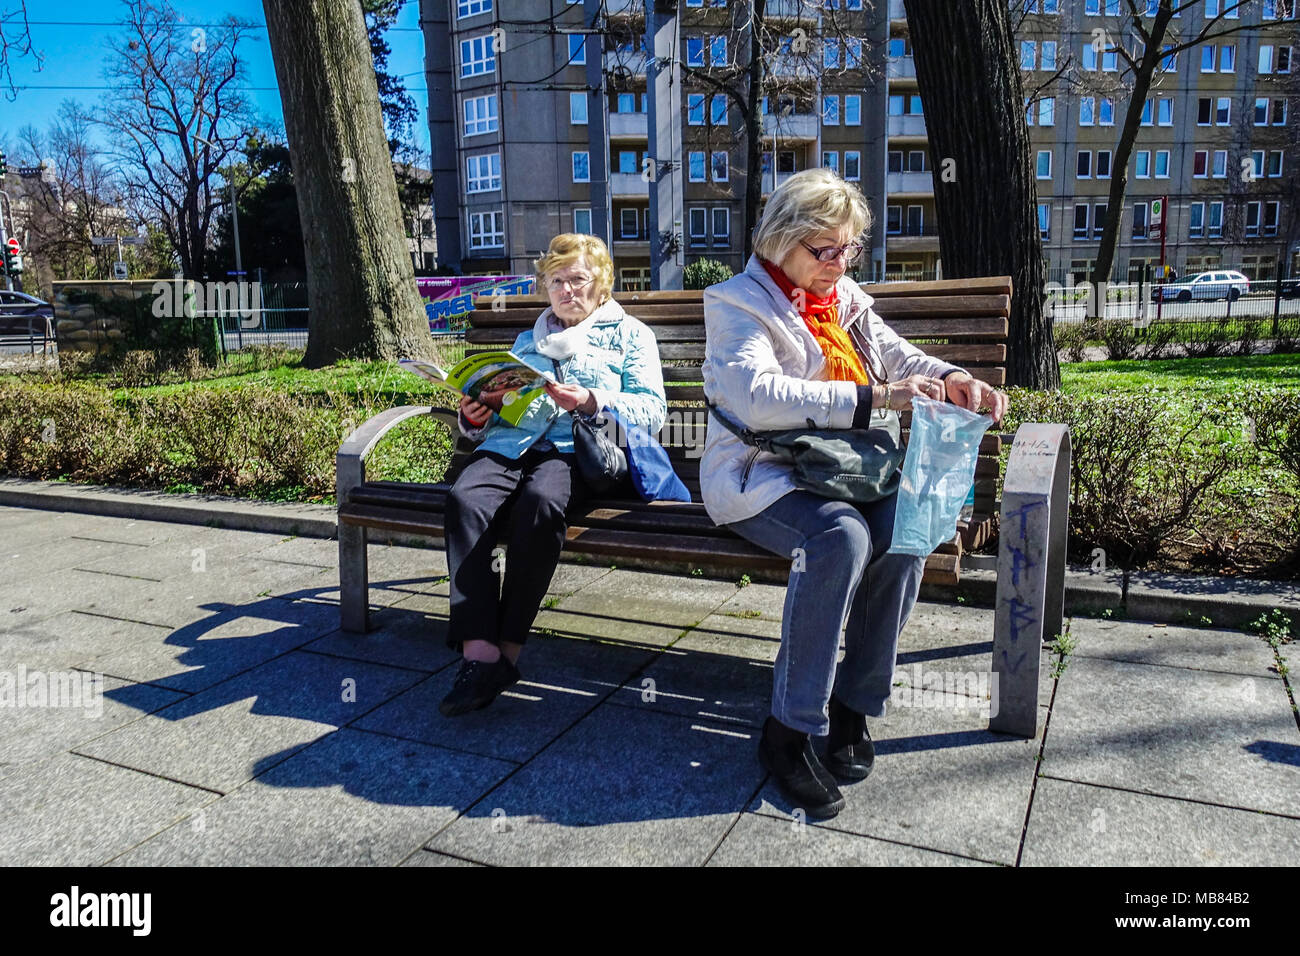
839	569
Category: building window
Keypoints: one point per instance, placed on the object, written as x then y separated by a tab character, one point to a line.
831	110
1162	164
695	109
853	110
1139	220
1222	111
1196	220
1201	163
1252	218
1207	58
699	226
1279	112
831	160
894	220
577	49
1043	165
718	110
469	8
1275	163
1089	57
1165	111
627	224
1216	220
1106	113
718	51
1047	111
1219	169
830	54
1048	61
1045	220
1087	110
1142	164
482	173
721	217
1098	219
1148	112
578	109
915	221
1081	220
1272	210
916	160
481	115
853	53
627	161
581	166
1228	58
477	56
626	103
694	51
634	280
1028	55
487	230
719	165
695	165
895	160
1257	162
1083	165
582	221
1261	111
853	165
1103	164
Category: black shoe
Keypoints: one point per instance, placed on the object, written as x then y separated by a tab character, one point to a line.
788	756
849	751
477	685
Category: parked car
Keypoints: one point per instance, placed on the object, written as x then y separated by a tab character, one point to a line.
19	311
1222	284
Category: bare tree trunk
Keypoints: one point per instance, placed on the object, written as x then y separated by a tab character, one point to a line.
363	297
984	188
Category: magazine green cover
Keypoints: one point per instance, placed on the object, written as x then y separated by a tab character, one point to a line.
502	381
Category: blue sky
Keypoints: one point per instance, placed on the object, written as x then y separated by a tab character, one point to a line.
74	35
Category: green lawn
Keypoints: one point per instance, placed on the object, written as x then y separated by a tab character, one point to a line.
1218	377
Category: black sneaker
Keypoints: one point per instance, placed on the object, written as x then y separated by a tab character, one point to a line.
477	685
788	756
849	751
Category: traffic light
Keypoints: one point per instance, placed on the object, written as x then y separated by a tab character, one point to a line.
13	257
4	165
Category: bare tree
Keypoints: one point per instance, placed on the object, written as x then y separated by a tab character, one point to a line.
986	197
364	300
15	43
176	115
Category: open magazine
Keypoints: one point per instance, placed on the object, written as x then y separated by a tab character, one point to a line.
502	381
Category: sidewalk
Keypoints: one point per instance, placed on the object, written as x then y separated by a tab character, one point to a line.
240	726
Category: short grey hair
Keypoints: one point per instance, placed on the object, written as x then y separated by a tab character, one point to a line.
813	201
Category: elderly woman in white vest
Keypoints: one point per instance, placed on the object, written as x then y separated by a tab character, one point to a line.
781	353
604	358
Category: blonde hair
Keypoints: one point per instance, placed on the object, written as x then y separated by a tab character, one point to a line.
813	201
566	249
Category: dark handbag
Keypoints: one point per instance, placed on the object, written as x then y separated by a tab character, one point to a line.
848	464
600	461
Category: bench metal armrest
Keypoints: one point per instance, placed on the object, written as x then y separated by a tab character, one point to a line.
350	462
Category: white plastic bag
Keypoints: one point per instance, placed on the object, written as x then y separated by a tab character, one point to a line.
938	475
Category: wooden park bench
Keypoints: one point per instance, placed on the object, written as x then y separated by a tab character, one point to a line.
963	321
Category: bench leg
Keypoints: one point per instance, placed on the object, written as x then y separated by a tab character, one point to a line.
354	579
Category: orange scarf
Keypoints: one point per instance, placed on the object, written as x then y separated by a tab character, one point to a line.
821	315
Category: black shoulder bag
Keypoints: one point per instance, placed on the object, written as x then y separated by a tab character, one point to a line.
601	462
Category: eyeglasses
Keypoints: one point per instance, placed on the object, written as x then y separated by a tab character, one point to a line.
575	285
827	253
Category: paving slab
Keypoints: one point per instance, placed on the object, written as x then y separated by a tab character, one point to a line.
72	811
33	733
563	680
1218	738
625	787
752	638
1073	824
671	600
429	858
241	728
693	682
767	599
764	841
1137	642
44	557
941	781
70	639
351	799
602	621
401	636
228	641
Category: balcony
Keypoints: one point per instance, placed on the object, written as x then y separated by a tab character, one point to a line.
790	9
625	8
901	68
916	183
632	61
628	125
913	124
793	127
628	186
897	11
924	240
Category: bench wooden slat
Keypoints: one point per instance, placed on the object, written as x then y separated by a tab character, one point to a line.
943	307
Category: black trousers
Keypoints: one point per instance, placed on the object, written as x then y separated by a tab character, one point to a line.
533	493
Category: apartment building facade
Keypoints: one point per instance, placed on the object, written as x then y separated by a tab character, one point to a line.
546	118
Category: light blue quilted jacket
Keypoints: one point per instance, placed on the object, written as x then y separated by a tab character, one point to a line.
619	363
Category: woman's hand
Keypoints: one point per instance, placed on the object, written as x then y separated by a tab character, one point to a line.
571	397
972	394
473	412
903	391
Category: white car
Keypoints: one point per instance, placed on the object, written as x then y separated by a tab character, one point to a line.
1224	284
